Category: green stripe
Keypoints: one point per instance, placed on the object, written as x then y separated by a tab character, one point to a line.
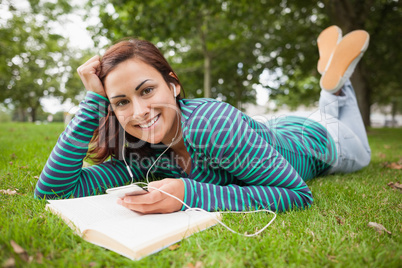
298	196
55	185
58	178
192	193
244	159
227	132
235	197
258	194
63	164
280	199
273	197
209	195
183	207
114	177
287	195
73	145
222	200
201	197
68	151
75	139
229	199
217	121
64	171
255	170
79	126
50	193
89	174
233	151
105	175
78	132
211	116
294	179
89	93
243	207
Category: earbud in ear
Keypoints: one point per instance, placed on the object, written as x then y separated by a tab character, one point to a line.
174	89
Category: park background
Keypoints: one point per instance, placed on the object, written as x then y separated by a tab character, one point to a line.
242	52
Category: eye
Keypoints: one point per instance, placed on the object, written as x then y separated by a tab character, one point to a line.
121	103
147	91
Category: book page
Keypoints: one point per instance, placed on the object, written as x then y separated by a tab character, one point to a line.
85	212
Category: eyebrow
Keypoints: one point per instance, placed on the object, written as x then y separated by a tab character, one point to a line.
118	96
141	84
137	87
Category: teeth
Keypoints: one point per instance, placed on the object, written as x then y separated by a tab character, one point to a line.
150	123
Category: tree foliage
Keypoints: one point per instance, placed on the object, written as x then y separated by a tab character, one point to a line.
219	48
227	44
224	46
209	43
34	62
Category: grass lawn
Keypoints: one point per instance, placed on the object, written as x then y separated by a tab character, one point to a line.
333	232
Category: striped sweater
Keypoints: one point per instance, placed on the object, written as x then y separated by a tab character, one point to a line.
237	163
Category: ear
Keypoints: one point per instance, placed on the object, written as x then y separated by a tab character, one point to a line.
172	74
178	87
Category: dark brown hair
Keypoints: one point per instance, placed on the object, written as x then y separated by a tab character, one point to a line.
108	137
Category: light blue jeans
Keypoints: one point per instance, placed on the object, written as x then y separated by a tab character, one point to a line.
340	115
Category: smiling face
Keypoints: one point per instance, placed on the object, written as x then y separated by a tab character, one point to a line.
143	102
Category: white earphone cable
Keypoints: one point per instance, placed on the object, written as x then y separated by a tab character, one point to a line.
222	212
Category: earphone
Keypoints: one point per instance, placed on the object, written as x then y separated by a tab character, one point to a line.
174	90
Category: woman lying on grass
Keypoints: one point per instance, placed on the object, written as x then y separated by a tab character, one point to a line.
217	158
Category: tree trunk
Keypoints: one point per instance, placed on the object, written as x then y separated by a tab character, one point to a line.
239	105
207	76
207	56
363	95
33	114
393	113
21	114
350	17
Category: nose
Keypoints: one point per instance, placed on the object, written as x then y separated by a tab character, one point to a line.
141	109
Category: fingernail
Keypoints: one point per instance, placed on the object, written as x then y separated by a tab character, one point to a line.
119	201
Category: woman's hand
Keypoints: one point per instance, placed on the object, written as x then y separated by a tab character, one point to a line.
89	72
156	201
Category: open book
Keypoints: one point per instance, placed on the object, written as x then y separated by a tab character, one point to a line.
101	221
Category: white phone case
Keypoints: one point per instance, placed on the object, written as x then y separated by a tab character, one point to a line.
131	189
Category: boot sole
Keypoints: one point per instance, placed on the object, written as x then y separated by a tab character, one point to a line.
344	60
326	42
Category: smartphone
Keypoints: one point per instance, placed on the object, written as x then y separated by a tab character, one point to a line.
131	189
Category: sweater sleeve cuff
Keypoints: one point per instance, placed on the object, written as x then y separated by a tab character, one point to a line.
95	102
188	193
